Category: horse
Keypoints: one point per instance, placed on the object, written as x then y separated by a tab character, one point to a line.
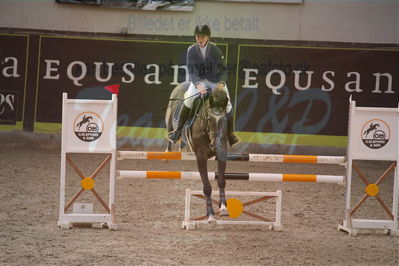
371	128
85	119
207	137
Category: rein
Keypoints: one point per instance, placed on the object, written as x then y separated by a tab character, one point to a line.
177	101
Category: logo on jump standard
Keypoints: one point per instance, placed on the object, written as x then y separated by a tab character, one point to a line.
375	133
88	126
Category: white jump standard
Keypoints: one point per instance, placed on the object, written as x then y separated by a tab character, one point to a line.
88	126
373	135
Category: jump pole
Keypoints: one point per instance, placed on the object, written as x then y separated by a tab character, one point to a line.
271	158
122	174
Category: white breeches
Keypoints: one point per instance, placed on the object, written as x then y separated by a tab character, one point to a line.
192	90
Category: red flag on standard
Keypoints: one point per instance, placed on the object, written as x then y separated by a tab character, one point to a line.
114	89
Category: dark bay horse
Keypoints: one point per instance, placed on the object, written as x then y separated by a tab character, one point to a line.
208	138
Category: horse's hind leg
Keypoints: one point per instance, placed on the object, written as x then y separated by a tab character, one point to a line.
207	188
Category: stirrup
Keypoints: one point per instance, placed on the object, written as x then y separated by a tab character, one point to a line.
173	136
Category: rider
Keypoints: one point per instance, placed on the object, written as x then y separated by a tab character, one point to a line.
207	69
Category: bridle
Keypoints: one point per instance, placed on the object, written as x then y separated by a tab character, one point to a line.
206	116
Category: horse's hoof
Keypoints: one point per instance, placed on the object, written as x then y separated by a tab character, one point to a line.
223	210
211	219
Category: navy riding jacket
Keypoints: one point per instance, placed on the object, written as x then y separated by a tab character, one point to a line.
212	68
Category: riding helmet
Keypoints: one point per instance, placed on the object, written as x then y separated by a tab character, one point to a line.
202	30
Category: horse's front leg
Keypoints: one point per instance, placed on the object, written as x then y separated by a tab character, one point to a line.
222	186
202	162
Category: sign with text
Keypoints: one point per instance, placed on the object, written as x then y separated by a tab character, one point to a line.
144	72
13	60
172	5
8	107
373	133
274	88
89	125
305	90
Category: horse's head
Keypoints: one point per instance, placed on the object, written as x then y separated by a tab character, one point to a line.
217	123
218	101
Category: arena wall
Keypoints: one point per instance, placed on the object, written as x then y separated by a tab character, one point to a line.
311	20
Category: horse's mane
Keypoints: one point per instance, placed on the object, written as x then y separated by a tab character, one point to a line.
218	99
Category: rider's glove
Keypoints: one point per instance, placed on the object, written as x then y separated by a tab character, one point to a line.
201	88
220	85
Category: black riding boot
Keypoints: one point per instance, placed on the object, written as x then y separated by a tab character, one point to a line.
233	139
174	136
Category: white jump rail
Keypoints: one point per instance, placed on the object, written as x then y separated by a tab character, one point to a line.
272	158
276	225
122	174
